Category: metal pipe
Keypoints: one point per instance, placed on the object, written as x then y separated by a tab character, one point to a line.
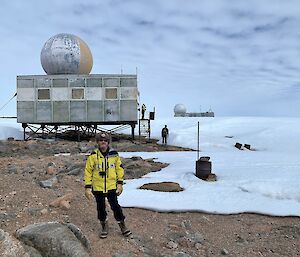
198	143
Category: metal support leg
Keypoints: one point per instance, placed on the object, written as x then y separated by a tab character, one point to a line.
132	131
24	125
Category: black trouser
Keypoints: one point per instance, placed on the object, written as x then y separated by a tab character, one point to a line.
113	201
164	140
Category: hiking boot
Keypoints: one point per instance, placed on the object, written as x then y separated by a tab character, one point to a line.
104	231
125	231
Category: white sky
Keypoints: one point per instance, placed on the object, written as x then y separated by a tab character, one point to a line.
237	57
262	181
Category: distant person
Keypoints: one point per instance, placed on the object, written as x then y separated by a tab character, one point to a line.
103	178
164	134
143	111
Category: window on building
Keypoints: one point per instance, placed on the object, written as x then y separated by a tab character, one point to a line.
43	94
111	93
77	93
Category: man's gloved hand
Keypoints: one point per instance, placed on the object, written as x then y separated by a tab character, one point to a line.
88	193
119	189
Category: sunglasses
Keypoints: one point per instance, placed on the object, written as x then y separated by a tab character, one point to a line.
103	140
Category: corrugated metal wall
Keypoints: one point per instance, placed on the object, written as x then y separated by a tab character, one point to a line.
76	98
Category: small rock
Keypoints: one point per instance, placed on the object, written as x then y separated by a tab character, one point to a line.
51	164
49	183
123	254
182	254
75	172
34	211
224	252
12	169
185	242
186	224
63	201
2	235
8	216
51	170
198	246
136	158
28	170
196	238
44	211
172	245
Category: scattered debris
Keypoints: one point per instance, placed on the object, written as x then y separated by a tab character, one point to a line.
238	146
247	146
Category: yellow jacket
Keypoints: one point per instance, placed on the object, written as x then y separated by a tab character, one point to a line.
103	173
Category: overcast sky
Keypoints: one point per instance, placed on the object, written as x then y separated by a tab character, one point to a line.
235	57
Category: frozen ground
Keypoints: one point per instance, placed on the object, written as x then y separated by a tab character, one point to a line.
262	181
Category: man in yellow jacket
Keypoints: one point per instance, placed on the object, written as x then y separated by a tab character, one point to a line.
103	178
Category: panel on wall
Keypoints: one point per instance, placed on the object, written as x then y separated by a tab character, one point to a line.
128	110
77	82
111	111
128	93
25	112
25	83
61	111
25	94
94	82
43	82
77	111
60	94
95	111
111	82
43	111
128	82
60	82
94	93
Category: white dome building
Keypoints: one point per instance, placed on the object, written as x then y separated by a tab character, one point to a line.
66	54
179	110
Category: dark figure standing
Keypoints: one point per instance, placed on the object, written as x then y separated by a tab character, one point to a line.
103	178
164	134
143	111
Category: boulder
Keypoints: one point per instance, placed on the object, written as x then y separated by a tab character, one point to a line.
53	239
10	247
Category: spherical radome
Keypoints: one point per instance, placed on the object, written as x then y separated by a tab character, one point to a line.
179	109
66	54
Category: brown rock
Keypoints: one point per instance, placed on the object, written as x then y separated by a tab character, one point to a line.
65	204
163	187
63	201
211	177
44	211
51	170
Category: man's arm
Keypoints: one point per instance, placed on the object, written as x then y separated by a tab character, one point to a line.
119	171
88	172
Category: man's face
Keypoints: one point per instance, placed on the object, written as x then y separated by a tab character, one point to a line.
102	144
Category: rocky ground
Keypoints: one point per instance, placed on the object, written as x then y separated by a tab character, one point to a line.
35	173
